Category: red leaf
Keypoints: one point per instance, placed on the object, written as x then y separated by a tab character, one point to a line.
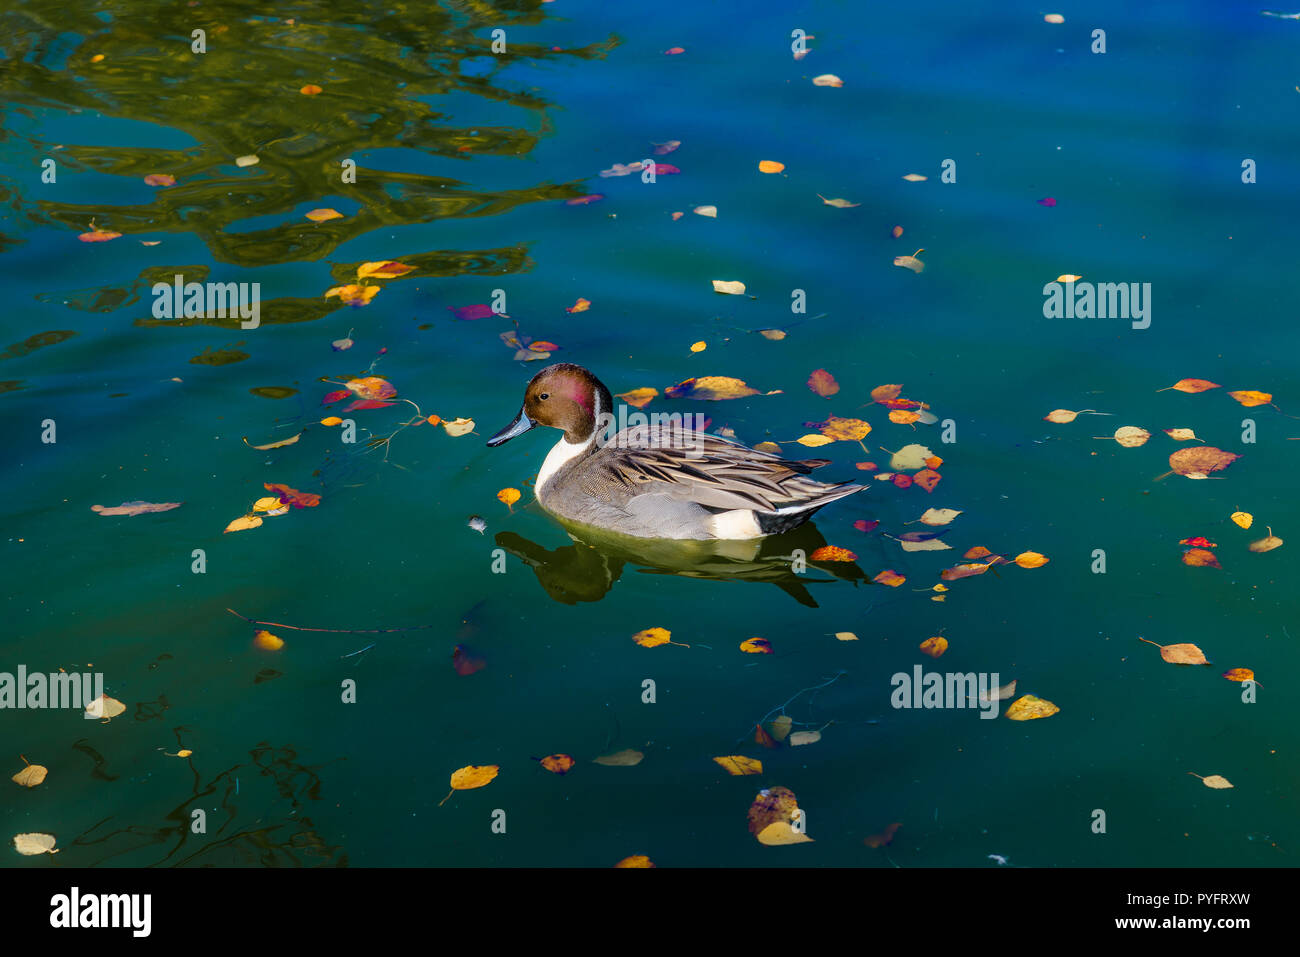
467	313
585	200
332	397
665	169
367	404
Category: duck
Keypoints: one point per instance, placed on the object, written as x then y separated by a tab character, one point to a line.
655	479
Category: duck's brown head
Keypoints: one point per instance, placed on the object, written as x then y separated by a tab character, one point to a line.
564	396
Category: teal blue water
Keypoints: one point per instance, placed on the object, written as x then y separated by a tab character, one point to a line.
464	161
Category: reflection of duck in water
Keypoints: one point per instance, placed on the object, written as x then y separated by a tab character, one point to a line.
655	481
587	569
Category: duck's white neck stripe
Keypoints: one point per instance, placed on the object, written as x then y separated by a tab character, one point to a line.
565	451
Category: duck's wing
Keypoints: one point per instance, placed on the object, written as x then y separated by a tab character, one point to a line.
708	470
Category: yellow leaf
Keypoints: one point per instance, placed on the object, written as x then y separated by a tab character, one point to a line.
267	641
710	211
934	647
184	753
837	203
652	637
889	577
1251	398
509	496
267	503
846	636
639	398
323	215
582	305
1181	435
1031	560
699	346
1027	708
812	440
353	294
939	516
473	776
732	287
756	646
909	458
104	707
31	776
1130	436
383	269
1244	519
1061	416
1216	781
331	420
243	522
770	166
34	843
458	426
738	765
915	178
1067	277
781	832
636	860
903	416
845	430
249	160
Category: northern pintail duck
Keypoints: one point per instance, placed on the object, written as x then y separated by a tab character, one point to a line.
658	480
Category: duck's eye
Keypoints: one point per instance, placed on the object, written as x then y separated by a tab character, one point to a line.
544	395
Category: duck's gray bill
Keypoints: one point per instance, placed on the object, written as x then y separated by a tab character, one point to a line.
519	426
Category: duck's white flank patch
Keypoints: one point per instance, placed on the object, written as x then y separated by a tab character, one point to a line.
736	523
558	457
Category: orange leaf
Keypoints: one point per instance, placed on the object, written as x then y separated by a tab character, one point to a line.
1239	674
962	571
311	89
832	553
934	647
883	393
884	838
1200	460
1194	385
889	577
323	214
903	417
1251	398
639	398
1031	560
927	479
582	305
1200	558
98	236
979	551
770	166
558	763
509	496
756	646
384	269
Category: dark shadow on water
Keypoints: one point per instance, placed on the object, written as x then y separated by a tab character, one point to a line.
587	569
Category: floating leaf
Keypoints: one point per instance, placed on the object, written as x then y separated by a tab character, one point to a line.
1061	416
243	523
267	641
341	345
558	763
889	577
324	214
1031	560
463	661
1250	398
1181	435
909	457
104	707
1053	18
813	440
1266	544
1198	541
582	305
663	148
1200	558
353	294
275	445
922	545
738	765
772	806
1130	436
98	236
458	426
1216	781
837	203
845	636
910	262
473	776
800	738
927	479
470	313
30	776
963	571
585	200
709	211
939	516
136	508
896	231
1180	654
1244	519
636	860
934	647
832	553
34	843
827	79
638	398
383	269
291	496
699	346
160	179
845	430
1027	708
770	166
249	160
1067	277
508	496
915	177
653	637
1194	385
620	759
1239	674
1046	201
712	388
1200	460
756	646
823	383
781	727
732	287
311	89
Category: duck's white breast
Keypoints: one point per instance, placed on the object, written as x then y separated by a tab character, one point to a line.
560	455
